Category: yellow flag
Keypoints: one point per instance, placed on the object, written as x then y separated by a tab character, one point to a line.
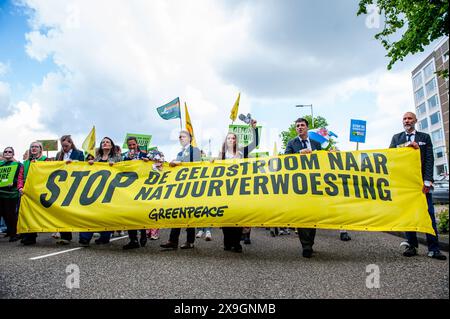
275	150
89	143
189	127
234	110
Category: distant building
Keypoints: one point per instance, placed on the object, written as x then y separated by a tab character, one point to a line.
431	102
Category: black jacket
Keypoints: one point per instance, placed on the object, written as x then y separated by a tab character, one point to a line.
426	151
295	146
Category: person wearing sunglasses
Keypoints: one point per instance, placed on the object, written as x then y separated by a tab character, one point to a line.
10	193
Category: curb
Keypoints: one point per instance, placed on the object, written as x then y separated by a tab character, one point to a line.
443	245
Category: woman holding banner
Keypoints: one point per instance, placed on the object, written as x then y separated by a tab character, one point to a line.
230	150
106	154
34	155
12	172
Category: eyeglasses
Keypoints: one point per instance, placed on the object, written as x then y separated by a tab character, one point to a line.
7	152
35	146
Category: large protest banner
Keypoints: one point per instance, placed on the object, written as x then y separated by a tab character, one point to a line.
361	190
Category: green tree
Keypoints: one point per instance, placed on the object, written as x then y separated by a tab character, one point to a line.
319	122
425	21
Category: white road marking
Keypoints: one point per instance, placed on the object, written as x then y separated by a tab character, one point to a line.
69	250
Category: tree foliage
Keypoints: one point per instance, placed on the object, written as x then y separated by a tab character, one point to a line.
290	133
425	21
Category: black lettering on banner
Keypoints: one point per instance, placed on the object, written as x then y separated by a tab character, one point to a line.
345	179
335	159
310	162
169	188
260	183
157	193
380	163
76	183
198	211
315	183
278	182
143	193
198	192
386	195
232	170
179	193
244	167
356	186
366	163
175	212
368	187
103	175
152	179
168	212
274	165
350	162
291	162
302	187
218	171
163	179
194	172
258	165
215	186
182	174
231	185
212	212
333	190
152	215
204	172
53	188
221	210
131	177
244	186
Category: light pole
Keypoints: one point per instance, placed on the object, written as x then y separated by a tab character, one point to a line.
312	114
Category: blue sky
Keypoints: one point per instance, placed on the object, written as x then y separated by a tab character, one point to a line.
68	65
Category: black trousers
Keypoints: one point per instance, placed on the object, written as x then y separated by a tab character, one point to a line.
132	234
232	236
66	236
8	208
306	236
175	235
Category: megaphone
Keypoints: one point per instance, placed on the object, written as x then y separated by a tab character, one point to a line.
247	119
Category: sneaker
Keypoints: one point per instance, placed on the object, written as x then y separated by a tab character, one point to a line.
187	246
154	237
272	233
410	251
282	232
101	241
437	255
199	234
131	245
208	236
56	235
143	241
14	238
27	242
307	253
121	233
237	249
247	241
96	235
345	237
62	242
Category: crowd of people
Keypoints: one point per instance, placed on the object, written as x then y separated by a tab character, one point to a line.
111	153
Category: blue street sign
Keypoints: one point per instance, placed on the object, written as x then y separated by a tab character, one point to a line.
358	131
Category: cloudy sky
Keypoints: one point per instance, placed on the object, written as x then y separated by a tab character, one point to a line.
68	65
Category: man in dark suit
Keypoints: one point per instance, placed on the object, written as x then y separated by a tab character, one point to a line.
69	153
303	145
418	140
188	153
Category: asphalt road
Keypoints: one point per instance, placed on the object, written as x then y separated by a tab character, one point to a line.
268	268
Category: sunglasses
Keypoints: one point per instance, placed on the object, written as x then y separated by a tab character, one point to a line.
35	146
7	152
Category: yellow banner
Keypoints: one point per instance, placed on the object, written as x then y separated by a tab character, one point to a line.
362	190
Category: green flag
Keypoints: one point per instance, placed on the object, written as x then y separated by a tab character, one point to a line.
170	110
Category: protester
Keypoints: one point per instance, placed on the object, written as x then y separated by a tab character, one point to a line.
10	194
230	150
34	155
106	154
303	145
68	153
188	153
421	141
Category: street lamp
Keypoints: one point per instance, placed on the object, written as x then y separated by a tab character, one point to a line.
312	114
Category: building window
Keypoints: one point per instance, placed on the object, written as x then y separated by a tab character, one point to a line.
436	136
439	152
428	70
435	118
423	124
419	95
432	102
445	57
417	81
441	169
421	109
431	86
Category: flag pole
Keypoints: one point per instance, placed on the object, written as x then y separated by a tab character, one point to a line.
181	123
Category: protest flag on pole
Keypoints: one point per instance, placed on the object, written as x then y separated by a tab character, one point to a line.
234	110
189	127
89	143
